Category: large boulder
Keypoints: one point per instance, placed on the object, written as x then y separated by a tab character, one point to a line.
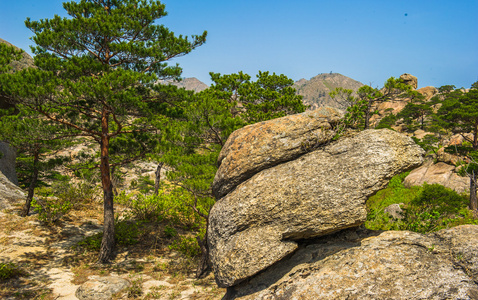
440	173
260	221
7	162
262	145
363	265
410	80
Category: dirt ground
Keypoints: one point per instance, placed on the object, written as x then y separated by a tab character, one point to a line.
51	267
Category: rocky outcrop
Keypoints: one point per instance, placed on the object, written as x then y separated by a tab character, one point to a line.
9	193
7	162
363	265
99	288
262	145
440	173
410	80
428	92
260	221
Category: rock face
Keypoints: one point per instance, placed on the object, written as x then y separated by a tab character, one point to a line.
99	288
428	92
260	221
440	173
262	145
410	80
358	265
9	193
316	90
7	162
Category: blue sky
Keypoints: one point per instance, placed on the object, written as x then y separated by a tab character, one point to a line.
369	41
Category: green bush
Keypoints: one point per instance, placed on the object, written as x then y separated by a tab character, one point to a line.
435	208
126	233
51	210
9	270
426	208
188	246
171	207
56	201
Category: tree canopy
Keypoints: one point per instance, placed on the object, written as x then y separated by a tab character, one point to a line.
96	73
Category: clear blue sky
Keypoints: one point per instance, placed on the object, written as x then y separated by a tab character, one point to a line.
368	40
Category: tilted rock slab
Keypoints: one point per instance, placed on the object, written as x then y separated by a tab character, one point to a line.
392	265
258	223
262	145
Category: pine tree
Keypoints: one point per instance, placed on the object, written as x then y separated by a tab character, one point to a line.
96	73
459	112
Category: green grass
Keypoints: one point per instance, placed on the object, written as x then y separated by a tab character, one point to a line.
426	208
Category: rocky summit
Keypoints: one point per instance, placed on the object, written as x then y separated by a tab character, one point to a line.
263	219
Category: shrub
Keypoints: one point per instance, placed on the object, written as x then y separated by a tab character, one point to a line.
172	207
435	208
56	201
126	234
9	270
188	246
51	209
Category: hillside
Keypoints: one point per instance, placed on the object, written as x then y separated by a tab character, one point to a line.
191	84
316	90
25	62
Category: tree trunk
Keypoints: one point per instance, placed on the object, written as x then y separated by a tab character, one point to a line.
108	241
367	115
473	199
158	178
204	266
33	183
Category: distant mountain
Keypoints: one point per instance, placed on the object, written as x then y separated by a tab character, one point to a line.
25	62
191	84
316	90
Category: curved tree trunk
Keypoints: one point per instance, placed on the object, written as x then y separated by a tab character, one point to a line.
33	183
108	241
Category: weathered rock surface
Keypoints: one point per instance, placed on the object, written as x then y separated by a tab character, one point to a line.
358	265
262	145
9	193
428	92
440	173
99	288
410	80
7	162
323	191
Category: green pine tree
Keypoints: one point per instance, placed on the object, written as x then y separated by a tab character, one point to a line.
96	73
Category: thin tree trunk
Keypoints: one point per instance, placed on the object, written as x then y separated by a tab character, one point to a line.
108	241
204	266
33	183
158	178
367	115
473	198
